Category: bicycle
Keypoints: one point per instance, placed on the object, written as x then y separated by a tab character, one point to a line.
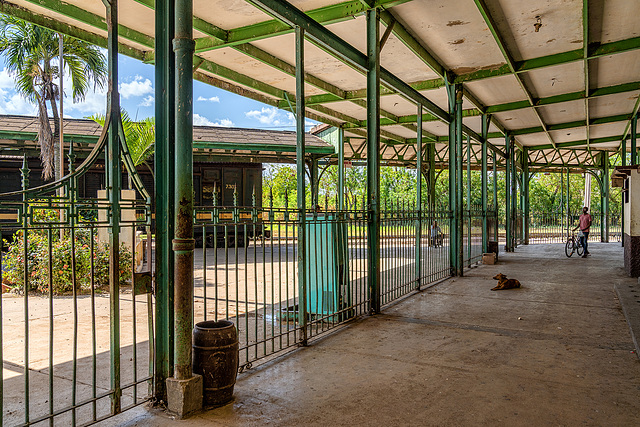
573	245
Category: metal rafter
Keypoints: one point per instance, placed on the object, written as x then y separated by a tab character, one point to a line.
602	140
488	19
431	61
570	125
342	50
585	41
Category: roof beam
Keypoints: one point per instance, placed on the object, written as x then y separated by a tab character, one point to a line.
585	41
94	20
594	50
484	11
566	97
342	50
45	21
571	125
325	15
577	143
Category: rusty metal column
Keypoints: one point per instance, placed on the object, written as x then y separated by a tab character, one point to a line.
183	242
114	178
184	390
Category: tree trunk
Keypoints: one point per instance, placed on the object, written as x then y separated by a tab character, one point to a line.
58	173
45	139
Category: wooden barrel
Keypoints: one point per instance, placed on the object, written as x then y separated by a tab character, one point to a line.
215	357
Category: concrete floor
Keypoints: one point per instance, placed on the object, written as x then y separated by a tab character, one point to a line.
557	351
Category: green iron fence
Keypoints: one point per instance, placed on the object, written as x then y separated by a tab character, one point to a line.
76	338
554	227
249	269
472	238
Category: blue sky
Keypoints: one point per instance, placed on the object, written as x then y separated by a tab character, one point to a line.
212	106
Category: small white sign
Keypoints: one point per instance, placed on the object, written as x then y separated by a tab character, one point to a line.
348	164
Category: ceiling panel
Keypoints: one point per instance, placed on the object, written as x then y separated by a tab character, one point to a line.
614	20
498	90
518	119
317	62
612	105
455	35
563	112
609	129
550	81
615	69
561	29
568	135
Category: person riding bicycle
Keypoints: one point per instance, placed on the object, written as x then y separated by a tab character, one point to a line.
584	222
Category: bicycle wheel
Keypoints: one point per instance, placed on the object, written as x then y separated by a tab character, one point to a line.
569	247
579	247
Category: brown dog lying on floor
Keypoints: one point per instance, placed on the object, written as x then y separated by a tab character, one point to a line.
504	283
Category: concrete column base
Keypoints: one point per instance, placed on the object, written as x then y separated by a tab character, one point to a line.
184	397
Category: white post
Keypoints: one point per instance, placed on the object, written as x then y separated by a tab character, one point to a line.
587	191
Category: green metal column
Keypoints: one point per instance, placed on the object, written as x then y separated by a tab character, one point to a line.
485	132
313	171
340	169
300	188
164	171
114	184
514	193
418	221
431	153
525	193
183	242
568	198
469	199
507	192
622	219
604	204
453	199
459	189
495	195
634	136
373	156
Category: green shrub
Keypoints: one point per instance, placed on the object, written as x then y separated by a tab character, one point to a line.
63	257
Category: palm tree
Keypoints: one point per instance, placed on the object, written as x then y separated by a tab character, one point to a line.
140	136
31	56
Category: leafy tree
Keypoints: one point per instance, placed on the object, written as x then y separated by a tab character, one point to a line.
31	56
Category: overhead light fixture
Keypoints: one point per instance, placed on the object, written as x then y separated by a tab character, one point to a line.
538	23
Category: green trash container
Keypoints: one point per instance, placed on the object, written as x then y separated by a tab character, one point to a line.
328	288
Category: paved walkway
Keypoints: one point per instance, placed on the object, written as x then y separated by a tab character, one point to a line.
557	351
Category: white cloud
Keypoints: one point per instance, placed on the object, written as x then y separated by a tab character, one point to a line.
94	102
199	120
6	80
266	116
212	99
147	102
225	123
138	87
272	117
16	104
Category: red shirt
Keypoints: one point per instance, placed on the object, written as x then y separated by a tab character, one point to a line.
585	222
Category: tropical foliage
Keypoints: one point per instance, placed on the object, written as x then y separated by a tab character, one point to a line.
52	259
140	136
398	188
32	57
